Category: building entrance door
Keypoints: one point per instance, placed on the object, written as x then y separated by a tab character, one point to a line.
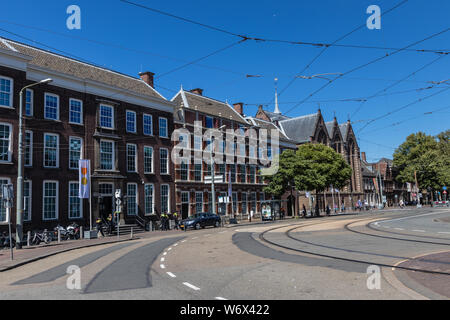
105	207
184	205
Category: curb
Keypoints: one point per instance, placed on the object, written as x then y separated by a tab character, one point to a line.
22	263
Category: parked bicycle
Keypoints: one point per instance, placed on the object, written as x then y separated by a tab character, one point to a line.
39	237
4	241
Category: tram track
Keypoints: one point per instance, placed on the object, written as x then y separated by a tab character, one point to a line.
337	257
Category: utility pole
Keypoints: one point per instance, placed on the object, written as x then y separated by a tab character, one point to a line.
19	207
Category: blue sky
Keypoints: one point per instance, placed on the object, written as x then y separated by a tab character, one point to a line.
141	40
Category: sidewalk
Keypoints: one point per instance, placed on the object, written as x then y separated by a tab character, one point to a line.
34	253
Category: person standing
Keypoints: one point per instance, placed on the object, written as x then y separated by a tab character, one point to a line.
175	218
328	210
304	211
100	226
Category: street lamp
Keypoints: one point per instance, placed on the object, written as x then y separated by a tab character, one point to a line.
213	192
19	207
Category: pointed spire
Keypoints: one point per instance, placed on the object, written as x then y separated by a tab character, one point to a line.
277	109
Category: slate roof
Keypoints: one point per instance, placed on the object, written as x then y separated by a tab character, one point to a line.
275	116
344	130
208	106
78	69
269	126
300	129
330	126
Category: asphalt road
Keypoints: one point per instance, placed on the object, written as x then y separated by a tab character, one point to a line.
320	258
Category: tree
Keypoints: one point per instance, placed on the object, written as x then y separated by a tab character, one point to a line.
311	167
324	166
425	156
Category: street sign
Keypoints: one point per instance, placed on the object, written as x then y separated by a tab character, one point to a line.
217	179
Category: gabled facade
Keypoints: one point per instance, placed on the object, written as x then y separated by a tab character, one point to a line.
121	123
192	194
313	129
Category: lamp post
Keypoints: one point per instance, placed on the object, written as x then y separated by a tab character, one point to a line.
19	206
213	192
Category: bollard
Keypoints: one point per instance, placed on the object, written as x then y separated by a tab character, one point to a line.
28	238
81	233
59	236
131	235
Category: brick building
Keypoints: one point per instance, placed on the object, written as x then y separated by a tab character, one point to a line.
121	123
192	194
341	137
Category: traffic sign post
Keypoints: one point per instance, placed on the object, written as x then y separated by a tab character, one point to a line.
118	196
8	198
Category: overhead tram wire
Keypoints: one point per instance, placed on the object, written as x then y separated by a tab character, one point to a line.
333	43
401	108
365	65
202	58
294	42
398	82
409	119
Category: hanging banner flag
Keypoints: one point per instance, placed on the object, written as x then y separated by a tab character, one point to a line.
375	183
84	178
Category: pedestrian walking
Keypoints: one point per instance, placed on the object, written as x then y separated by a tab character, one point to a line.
328	210
99	223
304	211
175	218
109	221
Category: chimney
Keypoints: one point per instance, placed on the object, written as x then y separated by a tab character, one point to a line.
197	91
363	156
239	107
147	77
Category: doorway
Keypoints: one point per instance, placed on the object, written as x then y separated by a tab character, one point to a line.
105	207
184	204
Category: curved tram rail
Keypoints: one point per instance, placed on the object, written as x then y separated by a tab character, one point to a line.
287	233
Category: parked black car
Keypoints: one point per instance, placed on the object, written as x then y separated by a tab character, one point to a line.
201	220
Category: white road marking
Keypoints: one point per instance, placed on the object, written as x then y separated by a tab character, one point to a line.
399	229
444	232
165	253
169	249
222	231
220	298
162	266
187	284
194	238
171	274
162	259
419	230
183	241
175	244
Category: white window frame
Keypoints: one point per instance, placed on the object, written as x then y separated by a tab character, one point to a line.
167	127
137	200
57	149
25	149
57	107
153	199
202	202
135	157
112	116
10	93
168	197
113	160
8	181
68	202
31	103
143	124
167	162
152	162
28	201
134	121
56	202
81	150
81	111
10	142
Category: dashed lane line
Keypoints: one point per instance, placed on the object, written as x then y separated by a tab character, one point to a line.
187	284
162	266
171	274
220	298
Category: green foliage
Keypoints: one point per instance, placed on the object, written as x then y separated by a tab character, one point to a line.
311	167
428	157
